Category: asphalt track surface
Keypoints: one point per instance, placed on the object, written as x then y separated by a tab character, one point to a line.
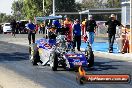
15	57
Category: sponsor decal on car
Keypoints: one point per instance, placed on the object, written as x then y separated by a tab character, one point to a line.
74	56
77	62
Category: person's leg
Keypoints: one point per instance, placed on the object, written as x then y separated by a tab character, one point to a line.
74	42
78	42
14	32
29	37
43	30
92	38
33	37
109	40
112	41
87	33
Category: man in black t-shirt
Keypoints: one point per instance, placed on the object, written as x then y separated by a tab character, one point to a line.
112	23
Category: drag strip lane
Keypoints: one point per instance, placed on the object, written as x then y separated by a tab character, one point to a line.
15	58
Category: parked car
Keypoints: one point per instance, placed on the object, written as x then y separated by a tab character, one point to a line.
22	25
6	28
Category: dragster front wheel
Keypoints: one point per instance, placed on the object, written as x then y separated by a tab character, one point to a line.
55	62
34	54
80	79
90	58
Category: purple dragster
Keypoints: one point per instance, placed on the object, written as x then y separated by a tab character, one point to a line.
59	53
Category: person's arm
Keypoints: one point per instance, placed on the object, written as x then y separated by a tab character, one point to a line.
122	26
119	24
95	28
106	24
86	25
27	26
73	30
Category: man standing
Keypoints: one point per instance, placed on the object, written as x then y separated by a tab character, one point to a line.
90	29
68	24
77	34
31	31
13	27
112	23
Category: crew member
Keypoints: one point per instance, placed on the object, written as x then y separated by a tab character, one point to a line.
68	24
76	34
112	23
90	29
31	31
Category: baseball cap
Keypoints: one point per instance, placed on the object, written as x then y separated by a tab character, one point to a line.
112	15
90	16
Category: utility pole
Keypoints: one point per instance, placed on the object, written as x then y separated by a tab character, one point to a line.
53	7
43	7
113	3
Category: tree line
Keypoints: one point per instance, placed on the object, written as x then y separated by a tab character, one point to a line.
25	9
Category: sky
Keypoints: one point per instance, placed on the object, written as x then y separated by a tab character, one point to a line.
5	6
78	0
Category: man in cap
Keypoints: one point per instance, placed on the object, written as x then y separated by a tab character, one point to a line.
112	23
90	29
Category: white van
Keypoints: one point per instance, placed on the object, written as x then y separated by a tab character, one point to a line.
7	28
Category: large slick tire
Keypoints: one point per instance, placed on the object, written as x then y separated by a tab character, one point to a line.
80	79
36	58
55	62
34	54
90	57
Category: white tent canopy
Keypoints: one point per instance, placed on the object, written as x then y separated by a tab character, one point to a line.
48	17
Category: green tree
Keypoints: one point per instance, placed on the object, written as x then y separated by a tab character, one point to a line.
33	8
66	6
5	18
88	4
114	3
48	7
17	9
1	17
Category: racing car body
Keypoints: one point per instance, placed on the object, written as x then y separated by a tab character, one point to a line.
59	53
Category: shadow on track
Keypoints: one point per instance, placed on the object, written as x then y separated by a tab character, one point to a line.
15	56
